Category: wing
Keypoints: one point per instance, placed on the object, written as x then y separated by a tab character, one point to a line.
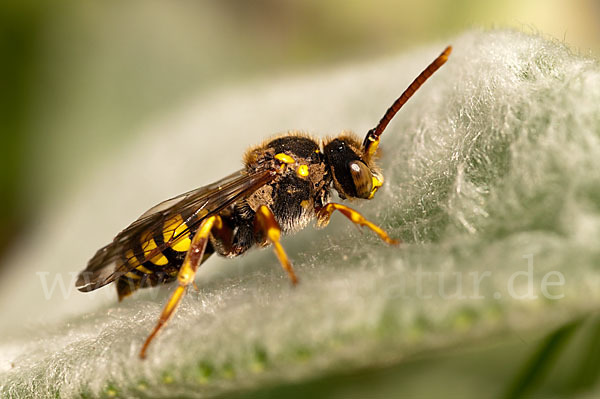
173	218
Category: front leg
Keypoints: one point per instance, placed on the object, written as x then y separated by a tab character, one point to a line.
324	214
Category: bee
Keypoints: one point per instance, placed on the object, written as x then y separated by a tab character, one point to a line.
286	182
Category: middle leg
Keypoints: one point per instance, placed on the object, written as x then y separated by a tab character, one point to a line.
265	222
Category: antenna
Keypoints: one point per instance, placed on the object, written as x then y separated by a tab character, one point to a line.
372	139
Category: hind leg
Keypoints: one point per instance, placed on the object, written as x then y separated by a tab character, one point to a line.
186	275
266	223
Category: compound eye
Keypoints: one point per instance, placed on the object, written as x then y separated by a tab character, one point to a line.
362	178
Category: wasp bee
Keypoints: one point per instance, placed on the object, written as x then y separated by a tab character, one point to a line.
285	183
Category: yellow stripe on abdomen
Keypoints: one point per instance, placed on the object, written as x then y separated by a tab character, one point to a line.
131	259
176	233
144	270
133	276
148	245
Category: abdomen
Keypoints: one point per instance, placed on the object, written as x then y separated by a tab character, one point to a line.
162	267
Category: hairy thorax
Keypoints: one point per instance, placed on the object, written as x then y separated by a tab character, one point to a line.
303	186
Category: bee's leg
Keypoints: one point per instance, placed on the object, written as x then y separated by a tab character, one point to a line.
186	274
324	213
265	222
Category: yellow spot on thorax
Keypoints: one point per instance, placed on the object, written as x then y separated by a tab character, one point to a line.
175	229
284	158
302	171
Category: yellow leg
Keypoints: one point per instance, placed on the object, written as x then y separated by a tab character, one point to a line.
325	213
186	274
266	223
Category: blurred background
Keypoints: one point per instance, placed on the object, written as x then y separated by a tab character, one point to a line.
80	79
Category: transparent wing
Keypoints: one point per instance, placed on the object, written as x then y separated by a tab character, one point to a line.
110	262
